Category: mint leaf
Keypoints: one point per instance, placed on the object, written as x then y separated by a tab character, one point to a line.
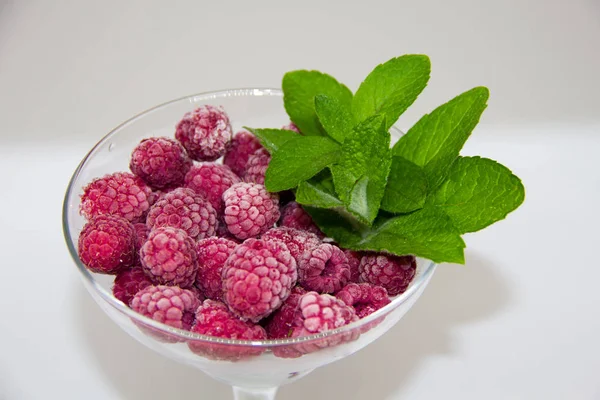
391	88
299	91
406	188
272	139
299	159
335	117
477	193
361	174
425	233
318	191
435	141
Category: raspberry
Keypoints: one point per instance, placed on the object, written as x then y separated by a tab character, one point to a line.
323	269
197	292
294	216
242	146
257	166
129	282
169	257
223	232
280	324
214	319
295	240
394	273
354	258
107	244
204	132
212	254
160	162
364	297
121	193
291	127
170	305
184	209
249	209
141	235
210	180
257	278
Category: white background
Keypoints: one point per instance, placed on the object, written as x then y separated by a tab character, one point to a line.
520	321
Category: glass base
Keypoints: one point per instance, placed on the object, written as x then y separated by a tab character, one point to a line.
254	394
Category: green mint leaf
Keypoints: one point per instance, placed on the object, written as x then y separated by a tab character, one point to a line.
406	188
318	191
335	117
299	91
272	139
425	233
435	141
299	159
477	193
361	174
392	87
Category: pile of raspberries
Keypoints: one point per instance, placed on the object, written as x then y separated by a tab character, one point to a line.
203	246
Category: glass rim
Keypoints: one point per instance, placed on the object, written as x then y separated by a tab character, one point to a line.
188	335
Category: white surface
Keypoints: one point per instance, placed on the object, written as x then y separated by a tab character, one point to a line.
520	321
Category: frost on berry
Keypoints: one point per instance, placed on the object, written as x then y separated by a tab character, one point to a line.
257	166
291	127
160	162
243	145
323	269
366	298
294	216
210	180
295	240
212	254
204	132
280	324
129	282
394	273
354	258
250	209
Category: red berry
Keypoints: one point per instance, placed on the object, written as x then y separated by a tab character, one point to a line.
281	323
295	240
129	282
210	180
354	258
257	278
291	127
204	132
249	209
170	305
323	269
160	162
107	244
141	235
294	216
257	166
212	254
121	193
169	257
184	209
242	146
394	273
364	297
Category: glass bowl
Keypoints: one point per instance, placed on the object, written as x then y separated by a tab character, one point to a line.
254	368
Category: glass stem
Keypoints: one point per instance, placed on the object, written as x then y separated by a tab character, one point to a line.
254	394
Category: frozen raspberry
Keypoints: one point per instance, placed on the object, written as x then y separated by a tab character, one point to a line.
391	272
364	297
280	324
223	232
354	258
160	162
323	269
141	235
129	282
214	319
183	208
169	257
242	146
294	216
257	166
170	305
121	193
210	180
291	127
197	292
204	132
107	244
212	254
249	209
296	241
257	278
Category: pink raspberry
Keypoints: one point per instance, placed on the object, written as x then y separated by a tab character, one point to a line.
280	324
212	254
323	269
295	240
257	278
257	166
214	319
223	232
170	305
160	162
197	292
394	273
249	209
107	244
169	257
291	127
364	297
184	209
129	282
141	235
294	216
354	258
204	132
121	193
243	145
210	180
